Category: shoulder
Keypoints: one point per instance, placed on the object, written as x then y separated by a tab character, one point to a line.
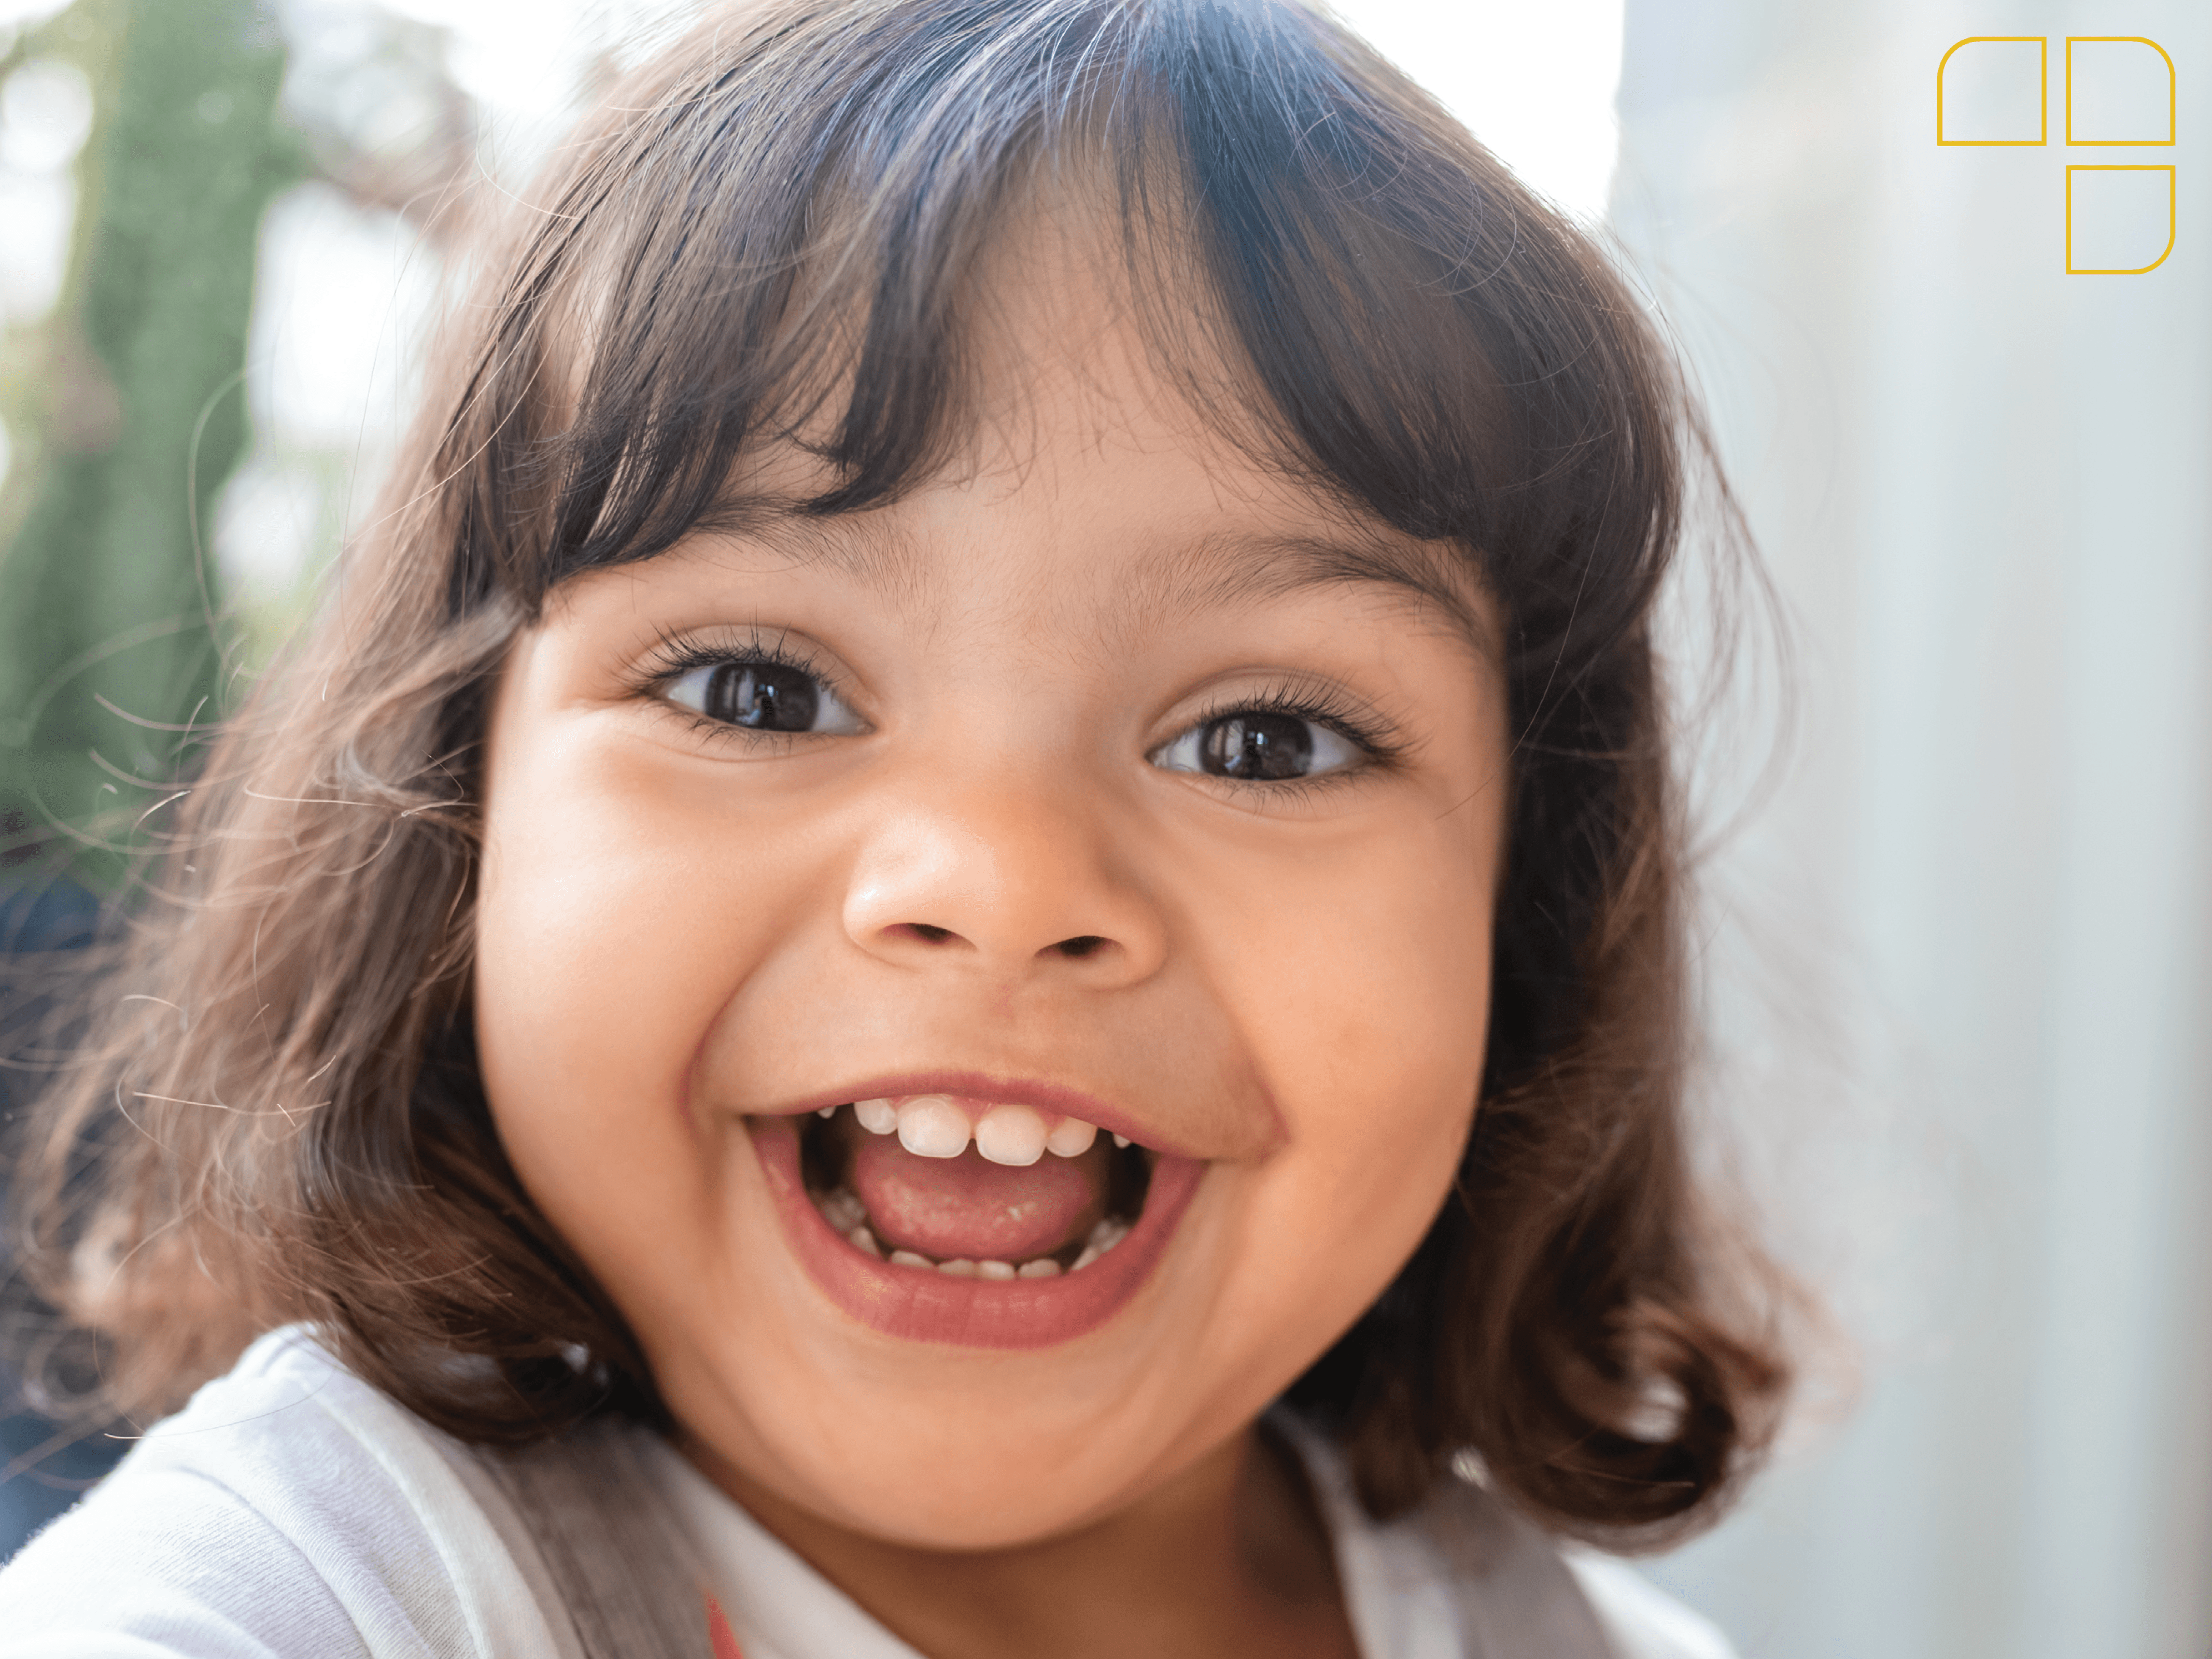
1580	1600
289	1509
1462	1573
178	1565
1640	1620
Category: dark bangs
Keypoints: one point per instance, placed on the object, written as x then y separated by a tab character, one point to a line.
781	242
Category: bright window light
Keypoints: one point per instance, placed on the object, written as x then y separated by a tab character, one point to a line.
1533	79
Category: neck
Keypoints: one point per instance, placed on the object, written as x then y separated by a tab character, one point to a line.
1230	1558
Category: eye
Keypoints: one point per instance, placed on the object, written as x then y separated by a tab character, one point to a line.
762	696
1258	745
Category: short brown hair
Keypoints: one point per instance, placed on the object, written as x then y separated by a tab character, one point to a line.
768	232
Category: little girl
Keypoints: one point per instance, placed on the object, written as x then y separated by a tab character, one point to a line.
964	937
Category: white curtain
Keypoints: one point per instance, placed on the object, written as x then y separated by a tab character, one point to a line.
1961	953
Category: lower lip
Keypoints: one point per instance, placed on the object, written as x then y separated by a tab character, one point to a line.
923	1305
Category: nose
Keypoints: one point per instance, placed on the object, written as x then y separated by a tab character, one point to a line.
1005	880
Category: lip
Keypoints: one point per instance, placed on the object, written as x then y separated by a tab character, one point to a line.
920	1304
991	1091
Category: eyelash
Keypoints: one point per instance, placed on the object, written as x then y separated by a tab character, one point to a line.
672	658
1322	708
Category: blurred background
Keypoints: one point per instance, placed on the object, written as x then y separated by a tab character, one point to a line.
1956	945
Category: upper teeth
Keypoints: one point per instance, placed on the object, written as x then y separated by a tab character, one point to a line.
935	1126
1012	1135
878	1117
932	1127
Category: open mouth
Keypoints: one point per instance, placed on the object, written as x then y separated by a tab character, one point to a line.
920	1182
992	1224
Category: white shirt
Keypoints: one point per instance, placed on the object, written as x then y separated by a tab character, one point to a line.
290	1510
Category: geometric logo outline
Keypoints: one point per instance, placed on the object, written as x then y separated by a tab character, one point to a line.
2172	195
2043	94
2172	98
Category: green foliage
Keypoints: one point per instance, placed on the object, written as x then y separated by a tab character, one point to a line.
109	635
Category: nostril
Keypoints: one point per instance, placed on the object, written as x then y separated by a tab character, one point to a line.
934	935
1081	946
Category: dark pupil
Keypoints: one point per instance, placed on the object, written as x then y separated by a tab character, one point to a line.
762	695
1254	745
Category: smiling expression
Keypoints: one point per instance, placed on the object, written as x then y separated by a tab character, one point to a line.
1107	777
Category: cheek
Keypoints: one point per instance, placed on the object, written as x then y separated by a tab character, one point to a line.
612	929
1366	1004
1371	1000
1366	980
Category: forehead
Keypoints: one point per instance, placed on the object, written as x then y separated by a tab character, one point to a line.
1138	573
1103	447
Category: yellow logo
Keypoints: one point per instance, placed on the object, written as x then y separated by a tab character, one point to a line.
2121	91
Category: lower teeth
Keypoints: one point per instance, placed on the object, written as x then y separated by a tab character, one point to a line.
1104	1237
847	1216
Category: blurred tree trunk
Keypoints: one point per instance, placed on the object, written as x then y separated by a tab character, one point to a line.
108	631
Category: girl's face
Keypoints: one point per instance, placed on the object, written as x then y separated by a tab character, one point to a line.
1107	779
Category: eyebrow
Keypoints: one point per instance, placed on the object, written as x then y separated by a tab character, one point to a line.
1219	571
1231	568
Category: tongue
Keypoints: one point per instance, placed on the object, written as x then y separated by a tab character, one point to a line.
951	1208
